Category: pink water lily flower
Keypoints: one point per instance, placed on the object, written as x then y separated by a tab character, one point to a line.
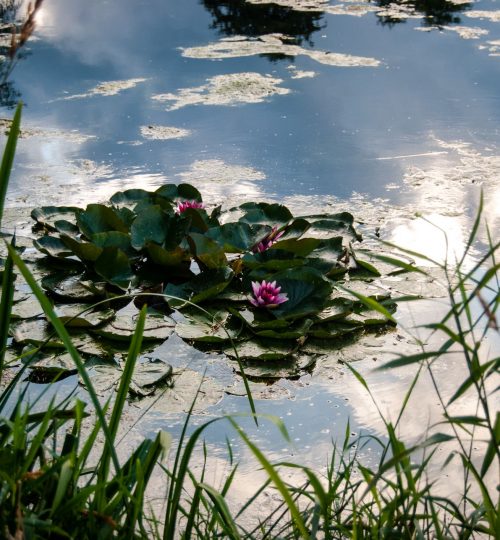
267	294
184	205
268	240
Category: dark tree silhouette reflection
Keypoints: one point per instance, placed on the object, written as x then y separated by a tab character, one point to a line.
240	18
435	12
9	14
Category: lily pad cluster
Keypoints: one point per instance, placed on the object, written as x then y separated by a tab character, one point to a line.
254	281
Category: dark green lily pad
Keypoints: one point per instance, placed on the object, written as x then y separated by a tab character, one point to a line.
301	247
122	328
73	288
174	192
48	215
152	225
294	330
287	368
130	197
114	239
98	218
202	287
52	246
308	293
114	266
333	330
206	251
163	257
338	224
238	237
64	226
85	251
265	214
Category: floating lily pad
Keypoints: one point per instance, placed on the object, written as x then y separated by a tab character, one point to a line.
48	215
180	397
35	332
152	225
104	378
202	287
114	266
185	192
206	251
170	258
122	328
27	308
266	350
52	246
85	251
341	224
265	214
291	367
72	317
238	237
214	327
114	239
51	367
333	330
98	218
73	288
130	197
148	375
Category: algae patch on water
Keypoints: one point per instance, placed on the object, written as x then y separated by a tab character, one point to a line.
231	89
109	88
274	44
164	133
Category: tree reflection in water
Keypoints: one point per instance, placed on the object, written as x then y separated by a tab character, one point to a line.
435	12
9	15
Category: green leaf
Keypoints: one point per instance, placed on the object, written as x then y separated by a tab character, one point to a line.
148	375
115	239
300	247
208	327
294	330
265	214
50	215
371	303
52	246
79	316
170	258
152	225
340	224
131	197
174	192
99	218
35	332
113	265
238	237
307	290
73	288
207	251
85	251
262	349
208	284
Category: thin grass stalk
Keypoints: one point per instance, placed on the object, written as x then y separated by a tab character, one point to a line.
6	306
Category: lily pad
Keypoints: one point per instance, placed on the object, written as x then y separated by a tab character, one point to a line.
52	367
264	350
85	251
206	251
73	288
114	239
202	287
170	258
52	246
98	218
122	328
175	192
35	332
104	378
152	225
48	215
210	327
265	214
27	308
238	237
130	197
148	375
114	266
339	224
72	317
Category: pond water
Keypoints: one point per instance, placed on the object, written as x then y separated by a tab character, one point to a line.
382	109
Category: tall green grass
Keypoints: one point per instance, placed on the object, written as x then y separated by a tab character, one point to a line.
60	478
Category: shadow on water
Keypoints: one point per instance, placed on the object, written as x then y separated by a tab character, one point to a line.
240	18
435	12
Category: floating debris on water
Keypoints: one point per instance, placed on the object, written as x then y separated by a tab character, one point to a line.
73	136
164	133
109	88
231	89
493	16
239	46
300	74
465	32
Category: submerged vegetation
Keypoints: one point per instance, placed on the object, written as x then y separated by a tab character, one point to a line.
60	475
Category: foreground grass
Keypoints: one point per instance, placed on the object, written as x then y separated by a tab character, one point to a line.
52	485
